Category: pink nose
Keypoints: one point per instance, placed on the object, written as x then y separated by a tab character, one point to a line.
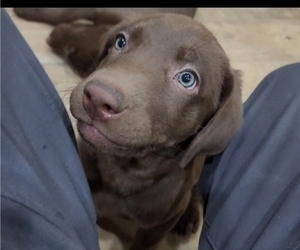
102	103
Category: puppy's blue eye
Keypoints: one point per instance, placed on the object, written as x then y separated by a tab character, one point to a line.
187	79
120	42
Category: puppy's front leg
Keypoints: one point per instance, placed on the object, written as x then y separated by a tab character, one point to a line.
189	222
148	239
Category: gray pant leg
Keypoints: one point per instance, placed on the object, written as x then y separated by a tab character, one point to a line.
252	189
45	199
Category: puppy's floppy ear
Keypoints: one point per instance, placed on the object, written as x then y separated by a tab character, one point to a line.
220	129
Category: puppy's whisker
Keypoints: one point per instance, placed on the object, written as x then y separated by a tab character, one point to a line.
194	46
212	37
95	62
175	145
65	94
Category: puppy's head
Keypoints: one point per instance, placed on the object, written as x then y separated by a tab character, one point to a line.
163	81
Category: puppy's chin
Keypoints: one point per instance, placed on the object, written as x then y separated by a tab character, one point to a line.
103	144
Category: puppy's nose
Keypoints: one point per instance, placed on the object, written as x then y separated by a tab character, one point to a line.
102	103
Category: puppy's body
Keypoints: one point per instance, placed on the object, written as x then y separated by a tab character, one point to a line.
161	93
152	192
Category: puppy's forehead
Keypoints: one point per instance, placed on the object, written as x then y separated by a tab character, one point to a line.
162	28
171	39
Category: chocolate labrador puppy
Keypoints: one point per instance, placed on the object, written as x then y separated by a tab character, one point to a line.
158	93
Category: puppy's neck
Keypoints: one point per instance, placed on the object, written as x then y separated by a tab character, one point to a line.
124	176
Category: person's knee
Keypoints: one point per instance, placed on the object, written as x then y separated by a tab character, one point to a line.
287	74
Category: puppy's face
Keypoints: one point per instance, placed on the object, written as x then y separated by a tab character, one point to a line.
158	82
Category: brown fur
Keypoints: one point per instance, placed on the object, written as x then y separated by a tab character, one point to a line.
141	129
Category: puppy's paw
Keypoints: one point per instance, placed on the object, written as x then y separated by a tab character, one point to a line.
61	40
189	222
78	44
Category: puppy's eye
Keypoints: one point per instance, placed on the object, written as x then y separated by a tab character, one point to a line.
120	42
187	79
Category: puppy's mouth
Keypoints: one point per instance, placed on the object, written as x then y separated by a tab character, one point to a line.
97	139
102	142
